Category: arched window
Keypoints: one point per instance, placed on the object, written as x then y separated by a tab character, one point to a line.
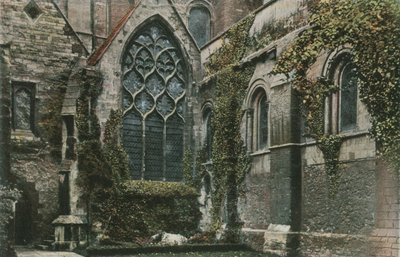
348	98
200	24
23	106
260	119
208	134
341	107
154	84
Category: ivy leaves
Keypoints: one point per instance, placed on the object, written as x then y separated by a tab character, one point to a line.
229	156
372	29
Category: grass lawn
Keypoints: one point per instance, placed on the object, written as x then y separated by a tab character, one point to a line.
201	254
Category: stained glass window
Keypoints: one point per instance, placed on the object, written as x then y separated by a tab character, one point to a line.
23	106
154	84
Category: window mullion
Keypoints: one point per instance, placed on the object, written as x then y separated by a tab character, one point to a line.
143	148
164	144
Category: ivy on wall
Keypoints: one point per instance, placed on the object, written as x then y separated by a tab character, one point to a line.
372	29
50	120
230	162
114	152
127	210
94	170
8	197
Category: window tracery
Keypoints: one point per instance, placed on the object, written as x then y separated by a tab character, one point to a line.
154	85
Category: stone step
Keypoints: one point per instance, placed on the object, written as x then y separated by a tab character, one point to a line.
48	241
42	247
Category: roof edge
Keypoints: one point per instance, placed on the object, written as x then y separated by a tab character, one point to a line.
70	26
95	57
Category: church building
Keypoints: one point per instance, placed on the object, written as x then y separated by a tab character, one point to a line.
150	60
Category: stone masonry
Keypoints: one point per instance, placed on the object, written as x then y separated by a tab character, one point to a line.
288	207
42	48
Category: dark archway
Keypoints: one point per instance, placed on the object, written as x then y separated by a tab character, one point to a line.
25	215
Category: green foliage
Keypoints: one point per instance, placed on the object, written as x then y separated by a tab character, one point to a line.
234	44
8	197
51	121
189	177
143	208
372	29
274	30
330	148
157	189
206	254
229	156
114	153
86	118
94	170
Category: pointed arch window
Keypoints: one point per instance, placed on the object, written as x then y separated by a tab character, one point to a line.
23	106
260	116
153	88
208	133
200	24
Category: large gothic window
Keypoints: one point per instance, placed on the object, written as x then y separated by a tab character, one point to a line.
200	25
154	83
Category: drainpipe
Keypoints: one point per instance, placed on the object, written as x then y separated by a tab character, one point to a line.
92	16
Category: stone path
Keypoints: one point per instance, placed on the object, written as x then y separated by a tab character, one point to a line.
23	252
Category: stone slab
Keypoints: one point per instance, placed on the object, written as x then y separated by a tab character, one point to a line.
24	252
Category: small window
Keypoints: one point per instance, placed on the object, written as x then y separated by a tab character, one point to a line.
32	10
207	114
260	120
200	24
348	98
23	106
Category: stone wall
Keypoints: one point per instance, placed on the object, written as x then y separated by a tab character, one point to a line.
37	177
227	12
350	210
43	49
385	238
110	65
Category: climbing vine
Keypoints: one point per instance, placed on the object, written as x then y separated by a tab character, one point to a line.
94	170
229	156
114	153
372	29
190	162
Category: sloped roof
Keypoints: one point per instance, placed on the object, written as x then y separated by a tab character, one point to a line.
96	55
70	27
